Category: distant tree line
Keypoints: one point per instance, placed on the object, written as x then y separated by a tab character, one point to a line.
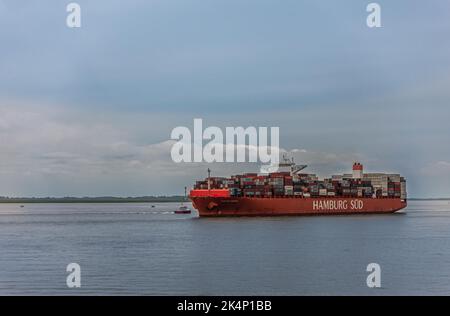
101	199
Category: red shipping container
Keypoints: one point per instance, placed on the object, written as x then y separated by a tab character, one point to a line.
212	193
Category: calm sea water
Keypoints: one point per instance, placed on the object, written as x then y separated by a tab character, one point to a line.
136	249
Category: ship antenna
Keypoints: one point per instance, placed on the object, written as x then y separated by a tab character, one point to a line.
209	182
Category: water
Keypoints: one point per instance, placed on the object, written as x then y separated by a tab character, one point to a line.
135	249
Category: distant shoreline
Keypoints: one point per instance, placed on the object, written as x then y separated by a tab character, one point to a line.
142	199
429	199
106	199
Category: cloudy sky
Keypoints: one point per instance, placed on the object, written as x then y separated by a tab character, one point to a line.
89	111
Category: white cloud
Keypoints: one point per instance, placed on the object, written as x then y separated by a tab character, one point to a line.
436	169
51	150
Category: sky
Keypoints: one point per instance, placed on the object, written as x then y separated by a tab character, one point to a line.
89	111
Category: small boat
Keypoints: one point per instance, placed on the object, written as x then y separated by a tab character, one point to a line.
183	210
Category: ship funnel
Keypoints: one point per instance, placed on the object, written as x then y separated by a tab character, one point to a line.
357	170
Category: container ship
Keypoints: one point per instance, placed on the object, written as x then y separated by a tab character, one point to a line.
293	192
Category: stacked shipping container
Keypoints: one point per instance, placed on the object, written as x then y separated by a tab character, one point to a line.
277	184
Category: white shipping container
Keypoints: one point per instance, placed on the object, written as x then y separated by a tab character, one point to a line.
394	177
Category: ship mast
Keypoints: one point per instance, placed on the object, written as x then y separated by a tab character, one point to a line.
209	182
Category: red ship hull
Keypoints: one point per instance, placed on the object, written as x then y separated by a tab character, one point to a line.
279	206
